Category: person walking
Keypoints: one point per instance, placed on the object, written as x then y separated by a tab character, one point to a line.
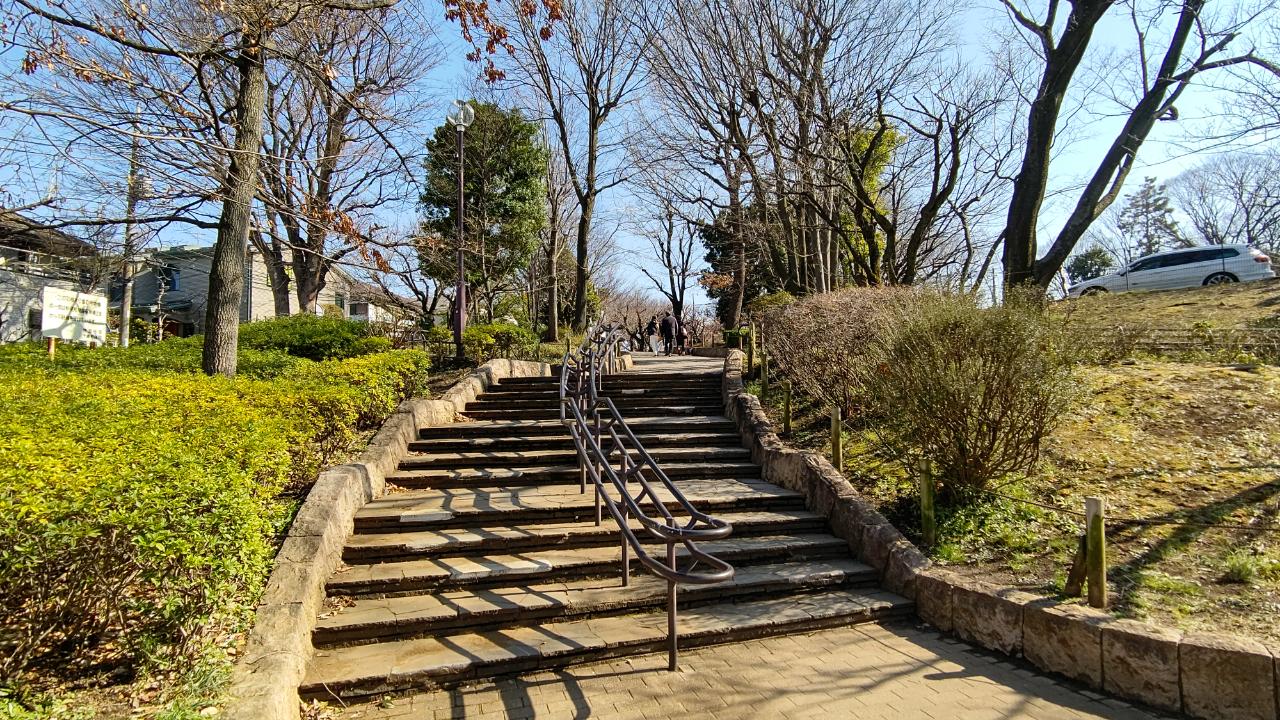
682	339
668	329
651	332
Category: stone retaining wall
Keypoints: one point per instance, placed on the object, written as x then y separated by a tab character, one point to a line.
1201	674
264	684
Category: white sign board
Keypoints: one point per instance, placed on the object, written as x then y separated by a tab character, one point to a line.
71	315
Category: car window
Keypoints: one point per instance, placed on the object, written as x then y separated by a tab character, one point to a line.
1141	265
1183	259
1224	253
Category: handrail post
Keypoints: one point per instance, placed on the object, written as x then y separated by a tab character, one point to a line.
673	651
595	463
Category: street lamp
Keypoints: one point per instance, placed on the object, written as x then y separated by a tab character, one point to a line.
460	117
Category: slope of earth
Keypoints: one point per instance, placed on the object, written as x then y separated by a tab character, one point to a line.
1167	442
1238	305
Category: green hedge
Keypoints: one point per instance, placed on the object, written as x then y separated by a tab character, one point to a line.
139	499
313	337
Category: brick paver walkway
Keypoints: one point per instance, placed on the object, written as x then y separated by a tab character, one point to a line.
865	672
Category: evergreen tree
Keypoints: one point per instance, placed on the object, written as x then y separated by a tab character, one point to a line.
1092	263
1146	221
504	168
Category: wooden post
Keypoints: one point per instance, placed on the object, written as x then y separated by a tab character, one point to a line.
1096	558
837	440
786	406
928	521
751	350
764	374
53	346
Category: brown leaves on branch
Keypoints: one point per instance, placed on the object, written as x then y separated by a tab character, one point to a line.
487	36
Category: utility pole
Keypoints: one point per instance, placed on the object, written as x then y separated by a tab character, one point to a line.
132	194
460	117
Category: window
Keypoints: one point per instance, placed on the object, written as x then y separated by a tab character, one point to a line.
341	301
359	308
1146	264
1224	253
168	278
1180	259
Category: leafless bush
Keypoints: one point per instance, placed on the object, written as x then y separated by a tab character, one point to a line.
975	390
824	343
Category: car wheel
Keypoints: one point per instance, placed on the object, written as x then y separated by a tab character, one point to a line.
1093	291
1220	278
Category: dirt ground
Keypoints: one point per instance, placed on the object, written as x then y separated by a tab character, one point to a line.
1160	441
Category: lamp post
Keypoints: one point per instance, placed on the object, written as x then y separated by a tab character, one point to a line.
460	117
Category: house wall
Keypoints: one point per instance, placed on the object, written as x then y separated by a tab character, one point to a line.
19	297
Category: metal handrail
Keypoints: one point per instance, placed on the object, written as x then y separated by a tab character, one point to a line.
601	437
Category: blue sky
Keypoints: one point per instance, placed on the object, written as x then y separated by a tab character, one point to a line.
1164	154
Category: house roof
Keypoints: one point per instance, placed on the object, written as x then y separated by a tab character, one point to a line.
23	233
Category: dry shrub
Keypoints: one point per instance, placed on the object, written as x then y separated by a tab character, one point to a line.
825	343
975	390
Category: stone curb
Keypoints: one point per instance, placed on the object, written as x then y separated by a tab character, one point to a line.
264	683
1204	675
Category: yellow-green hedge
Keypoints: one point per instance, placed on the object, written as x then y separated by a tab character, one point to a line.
137	506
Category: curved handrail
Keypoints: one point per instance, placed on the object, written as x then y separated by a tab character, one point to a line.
601	437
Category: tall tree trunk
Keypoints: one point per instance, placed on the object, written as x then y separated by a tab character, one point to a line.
1060	64
553	296
588	204
226	271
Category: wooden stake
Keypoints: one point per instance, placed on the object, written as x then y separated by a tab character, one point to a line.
1076	576
53	346
786	406
764	374
837	440
1096	557
751	349
928	520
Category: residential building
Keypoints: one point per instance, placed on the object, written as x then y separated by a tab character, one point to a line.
173	284
32	257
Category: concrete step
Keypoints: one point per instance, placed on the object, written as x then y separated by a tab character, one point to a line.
439	573
564	442
470	541
433	509
378	619
423	475
511	458
640	424
475	411
449	660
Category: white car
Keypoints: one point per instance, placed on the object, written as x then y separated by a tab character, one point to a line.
1210	265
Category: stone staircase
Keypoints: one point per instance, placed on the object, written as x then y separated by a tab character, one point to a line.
485	560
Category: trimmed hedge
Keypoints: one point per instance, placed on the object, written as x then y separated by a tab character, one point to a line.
139	499
315	337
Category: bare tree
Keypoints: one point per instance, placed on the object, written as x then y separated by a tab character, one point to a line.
1174	43
674	242
1232	199
583	75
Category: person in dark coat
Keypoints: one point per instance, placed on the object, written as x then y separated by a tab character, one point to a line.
651	334
668	329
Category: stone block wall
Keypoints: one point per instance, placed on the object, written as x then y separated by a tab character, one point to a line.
264	683
1213	676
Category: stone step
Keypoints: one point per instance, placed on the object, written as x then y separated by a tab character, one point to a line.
449	660
433	509
709	403
377	619
564	442
626	379
553	412
615	391
640	424
510	458
438	573
470	541
422	475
